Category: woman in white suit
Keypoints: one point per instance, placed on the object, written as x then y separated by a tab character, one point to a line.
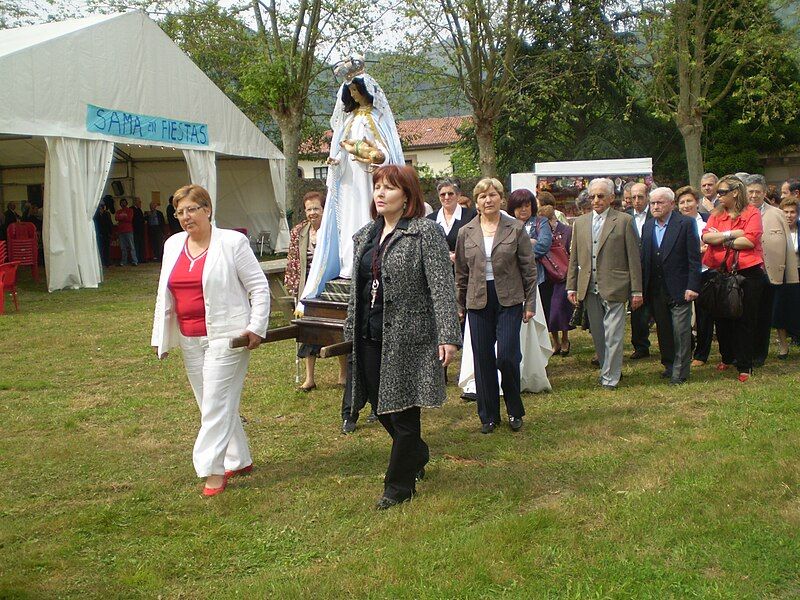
211	289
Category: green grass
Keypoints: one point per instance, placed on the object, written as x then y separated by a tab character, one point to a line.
647	492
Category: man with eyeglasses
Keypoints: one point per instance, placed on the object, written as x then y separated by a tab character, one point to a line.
780	262
671	276
605	271
640	318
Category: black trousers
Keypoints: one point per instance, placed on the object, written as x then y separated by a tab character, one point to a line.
409	451
156	242
737	336
704	325
764	321
138	243
501	324
350	412
640	329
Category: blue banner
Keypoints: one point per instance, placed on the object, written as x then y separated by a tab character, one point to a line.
145	127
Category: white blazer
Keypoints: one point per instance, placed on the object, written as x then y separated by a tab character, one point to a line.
235	290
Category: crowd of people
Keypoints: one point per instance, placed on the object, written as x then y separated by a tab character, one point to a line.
139	232
419	284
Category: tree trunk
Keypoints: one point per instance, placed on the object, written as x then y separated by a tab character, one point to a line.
691	129
487	157
290	124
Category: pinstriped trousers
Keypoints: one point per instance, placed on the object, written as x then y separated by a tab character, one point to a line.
501	324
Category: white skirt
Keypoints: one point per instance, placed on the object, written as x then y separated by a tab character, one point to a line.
534	341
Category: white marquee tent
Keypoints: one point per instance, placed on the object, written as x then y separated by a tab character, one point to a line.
81	95
582	168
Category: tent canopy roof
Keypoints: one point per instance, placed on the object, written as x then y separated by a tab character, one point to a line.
122	62
587	168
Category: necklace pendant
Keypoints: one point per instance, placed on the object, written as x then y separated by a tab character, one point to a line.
374	293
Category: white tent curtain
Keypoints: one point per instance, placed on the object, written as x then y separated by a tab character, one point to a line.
203	172
75	175
277	169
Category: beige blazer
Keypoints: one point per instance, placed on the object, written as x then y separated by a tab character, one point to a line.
619	265
780	259
512	263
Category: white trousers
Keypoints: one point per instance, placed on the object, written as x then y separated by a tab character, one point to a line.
216	374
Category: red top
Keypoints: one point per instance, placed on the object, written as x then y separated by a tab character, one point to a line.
124	218
186	285
750	221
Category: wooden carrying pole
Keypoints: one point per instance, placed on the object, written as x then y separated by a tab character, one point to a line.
273	335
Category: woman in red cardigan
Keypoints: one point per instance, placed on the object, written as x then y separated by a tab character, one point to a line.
736	226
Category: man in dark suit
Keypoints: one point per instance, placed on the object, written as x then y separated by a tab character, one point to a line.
671	279
640	318
605	271
139	225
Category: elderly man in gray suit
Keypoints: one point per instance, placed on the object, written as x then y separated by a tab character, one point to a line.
605	270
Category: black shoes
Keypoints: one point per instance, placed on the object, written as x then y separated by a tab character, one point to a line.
677	380
469	397
420	474
372	417
637	354
515	423
386	503
348	426
609	387
487	428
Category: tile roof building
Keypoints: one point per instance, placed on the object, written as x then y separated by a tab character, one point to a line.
425	142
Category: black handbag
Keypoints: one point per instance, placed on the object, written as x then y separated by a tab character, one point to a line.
577	316
722	295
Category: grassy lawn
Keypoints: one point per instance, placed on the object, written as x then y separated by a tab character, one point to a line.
647	492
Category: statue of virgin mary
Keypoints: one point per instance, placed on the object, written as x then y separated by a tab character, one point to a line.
364	137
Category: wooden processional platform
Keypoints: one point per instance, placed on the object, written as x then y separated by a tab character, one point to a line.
322	323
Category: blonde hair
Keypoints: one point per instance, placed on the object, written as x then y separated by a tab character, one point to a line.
737	186
484	184
195	193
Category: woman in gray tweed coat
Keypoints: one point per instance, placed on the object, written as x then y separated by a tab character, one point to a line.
402	320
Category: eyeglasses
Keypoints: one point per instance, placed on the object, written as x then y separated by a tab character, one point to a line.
187	212
723	192
598	196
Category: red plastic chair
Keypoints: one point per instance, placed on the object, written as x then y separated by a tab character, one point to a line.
23	246
8	283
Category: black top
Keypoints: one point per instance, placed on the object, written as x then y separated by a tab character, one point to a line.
138	219
370	266
467	214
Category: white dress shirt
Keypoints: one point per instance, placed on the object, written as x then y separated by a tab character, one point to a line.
443	222
639	219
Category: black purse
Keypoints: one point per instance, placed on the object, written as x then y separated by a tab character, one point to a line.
722	295
577	316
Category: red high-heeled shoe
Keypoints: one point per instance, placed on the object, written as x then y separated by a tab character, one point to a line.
723	367
208	492
242	471
744	377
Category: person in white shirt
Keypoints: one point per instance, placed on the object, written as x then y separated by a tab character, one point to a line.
640	318
708	185
688	204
